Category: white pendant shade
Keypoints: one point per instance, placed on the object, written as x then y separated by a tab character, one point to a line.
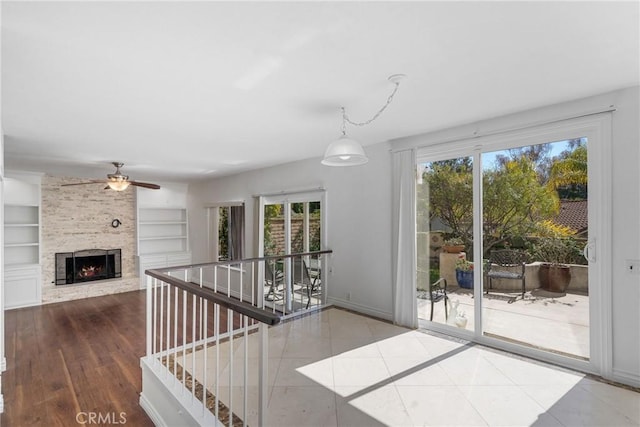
344	152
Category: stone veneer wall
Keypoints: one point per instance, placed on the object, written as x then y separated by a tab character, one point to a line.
79	217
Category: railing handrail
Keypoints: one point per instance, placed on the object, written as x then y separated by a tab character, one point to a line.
241	307
241	261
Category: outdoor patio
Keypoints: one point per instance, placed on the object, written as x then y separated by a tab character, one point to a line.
557	322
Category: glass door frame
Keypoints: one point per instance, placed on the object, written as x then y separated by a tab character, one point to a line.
597	129
286	200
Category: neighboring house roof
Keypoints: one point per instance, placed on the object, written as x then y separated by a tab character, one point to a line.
573	214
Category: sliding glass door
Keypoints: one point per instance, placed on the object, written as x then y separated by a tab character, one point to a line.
508	228
535	227
445	241
292	224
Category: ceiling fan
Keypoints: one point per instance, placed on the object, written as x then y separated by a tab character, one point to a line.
117	181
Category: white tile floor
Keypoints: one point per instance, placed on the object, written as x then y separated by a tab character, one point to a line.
336	368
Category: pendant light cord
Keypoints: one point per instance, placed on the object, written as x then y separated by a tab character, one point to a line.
346	118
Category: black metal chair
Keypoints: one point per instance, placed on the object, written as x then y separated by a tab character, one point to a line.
302	277
274	278
436	289
506	264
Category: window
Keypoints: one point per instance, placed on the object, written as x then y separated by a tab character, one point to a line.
226	237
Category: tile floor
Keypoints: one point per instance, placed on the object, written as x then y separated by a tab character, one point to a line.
336	368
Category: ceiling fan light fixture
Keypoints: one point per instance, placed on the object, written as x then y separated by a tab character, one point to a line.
118	185
344	151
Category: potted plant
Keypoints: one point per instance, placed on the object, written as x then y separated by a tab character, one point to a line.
555	253
464	273
453	245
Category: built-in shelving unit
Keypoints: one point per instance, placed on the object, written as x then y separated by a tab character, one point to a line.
22	240
21	235
163	228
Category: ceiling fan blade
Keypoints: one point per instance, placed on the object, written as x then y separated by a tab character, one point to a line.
93	181
145	185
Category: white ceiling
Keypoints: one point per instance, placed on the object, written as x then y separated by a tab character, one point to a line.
183	91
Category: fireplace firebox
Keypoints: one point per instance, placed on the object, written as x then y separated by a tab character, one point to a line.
88	265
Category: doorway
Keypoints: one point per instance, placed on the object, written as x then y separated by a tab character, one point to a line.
292	224
538	198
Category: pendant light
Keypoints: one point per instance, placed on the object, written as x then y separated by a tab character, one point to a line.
345	151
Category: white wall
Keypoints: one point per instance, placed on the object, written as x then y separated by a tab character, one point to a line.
359	219
626	234
358	212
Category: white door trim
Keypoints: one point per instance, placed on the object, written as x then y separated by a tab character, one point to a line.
597	129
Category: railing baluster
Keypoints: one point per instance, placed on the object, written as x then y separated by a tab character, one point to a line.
149	314
263	333
217	377
244	312
193	345
246	369
230	332
184	336
168	315
204	385
175	333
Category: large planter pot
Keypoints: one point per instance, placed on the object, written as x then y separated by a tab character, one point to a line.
453	249
464	279
554	278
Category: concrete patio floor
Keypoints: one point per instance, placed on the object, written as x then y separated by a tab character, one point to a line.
559	323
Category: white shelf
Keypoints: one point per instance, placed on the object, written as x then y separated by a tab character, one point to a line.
21	234
22	279
162	230
162	238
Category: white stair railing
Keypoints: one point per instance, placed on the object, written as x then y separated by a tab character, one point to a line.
207	330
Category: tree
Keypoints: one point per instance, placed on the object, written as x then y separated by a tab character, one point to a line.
569	173
270	211
450	189
514	202
514	199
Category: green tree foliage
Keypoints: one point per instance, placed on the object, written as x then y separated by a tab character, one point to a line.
270	211
450	187
223	233
514	202
569	173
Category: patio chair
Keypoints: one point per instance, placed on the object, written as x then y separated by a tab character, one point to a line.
506	264
439	287
273	278
302	277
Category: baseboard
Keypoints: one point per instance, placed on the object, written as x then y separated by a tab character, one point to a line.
350	305
156	419
625	377
169	403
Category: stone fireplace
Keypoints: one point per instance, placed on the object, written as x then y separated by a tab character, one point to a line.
88	265
80	217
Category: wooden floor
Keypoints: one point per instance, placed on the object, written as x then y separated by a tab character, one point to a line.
75	357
